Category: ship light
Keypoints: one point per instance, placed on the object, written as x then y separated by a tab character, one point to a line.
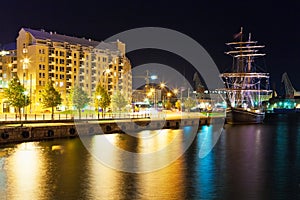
298	106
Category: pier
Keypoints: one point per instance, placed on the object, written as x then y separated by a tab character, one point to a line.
51	129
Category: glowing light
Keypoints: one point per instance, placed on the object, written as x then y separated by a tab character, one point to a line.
153	77
3	53
175	91
26	60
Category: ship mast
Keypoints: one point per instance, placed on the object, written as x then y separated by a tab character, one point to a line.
243	84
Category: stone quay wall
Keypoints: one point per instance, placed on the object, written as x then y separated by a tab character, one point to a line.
46	130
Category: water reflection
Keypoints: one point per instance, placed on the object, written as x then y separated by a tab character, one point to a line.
25	172
248	162
140	154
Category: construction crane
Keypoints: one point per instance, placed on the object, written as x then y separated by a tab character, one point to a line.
290	92
147	78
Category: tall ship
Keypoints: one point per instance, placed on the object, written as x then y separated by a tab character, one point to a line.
247	85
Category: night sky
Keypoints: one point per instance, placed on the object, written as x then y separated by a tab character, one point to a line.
210	23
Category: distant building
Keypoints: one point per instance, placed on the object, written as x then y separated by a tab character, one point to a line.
69	61
8	69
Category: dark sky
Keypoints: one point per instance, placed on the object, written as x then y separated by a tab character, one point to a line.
209	22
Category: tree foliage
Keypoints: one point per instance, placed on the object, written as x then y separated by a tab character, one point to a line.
101	97
118	100
79	98
178	104
51	97
16	95
189	103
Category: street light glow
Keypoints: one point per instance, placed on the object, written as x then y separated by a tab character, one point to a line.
26	60
175	91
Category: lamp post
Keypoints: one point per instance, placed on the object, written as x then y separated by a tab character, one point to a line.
162	86
98	97
25	100
152	90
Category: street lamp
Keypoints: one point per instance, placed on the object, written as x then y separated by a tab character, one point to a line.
25	98
152	90
162	86
175	91
169	94
98	97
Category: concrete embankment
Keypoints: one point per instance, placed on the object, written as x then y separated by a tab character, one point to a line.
10	133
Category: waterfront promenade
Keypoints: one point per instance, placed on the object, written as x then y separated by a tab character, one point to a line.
45	128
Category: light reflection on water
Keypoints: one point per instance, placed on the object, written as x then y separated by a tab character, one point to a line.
256	161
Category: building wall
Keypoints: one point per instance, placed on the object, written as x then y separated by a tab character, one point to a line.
8	69
67	65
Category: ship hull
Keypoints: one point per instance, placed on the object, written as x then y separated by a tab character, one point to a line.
241	116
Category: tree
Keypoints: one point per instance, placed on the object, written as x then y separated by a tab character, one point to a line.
168	105
178	104
79	98
118	100
101	98
189	103
51	97
16	95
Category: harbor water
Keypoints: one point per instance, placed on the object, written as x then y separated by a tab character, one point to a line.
247	162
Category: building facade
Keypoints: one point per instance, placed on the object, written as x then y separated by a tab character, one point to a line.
68	61
8	69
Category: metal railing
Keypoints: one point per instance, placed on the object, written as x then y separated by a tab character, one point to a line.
58	116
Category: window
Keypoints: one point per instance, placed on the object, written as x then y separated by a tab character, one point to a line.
61	61
62	69
61	53
75	55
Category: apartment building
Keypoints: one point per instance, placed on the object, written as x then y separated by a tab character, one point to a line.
69	61
8	69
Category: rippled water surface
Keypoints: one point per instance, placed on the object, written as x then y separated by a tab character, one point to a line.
248	162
